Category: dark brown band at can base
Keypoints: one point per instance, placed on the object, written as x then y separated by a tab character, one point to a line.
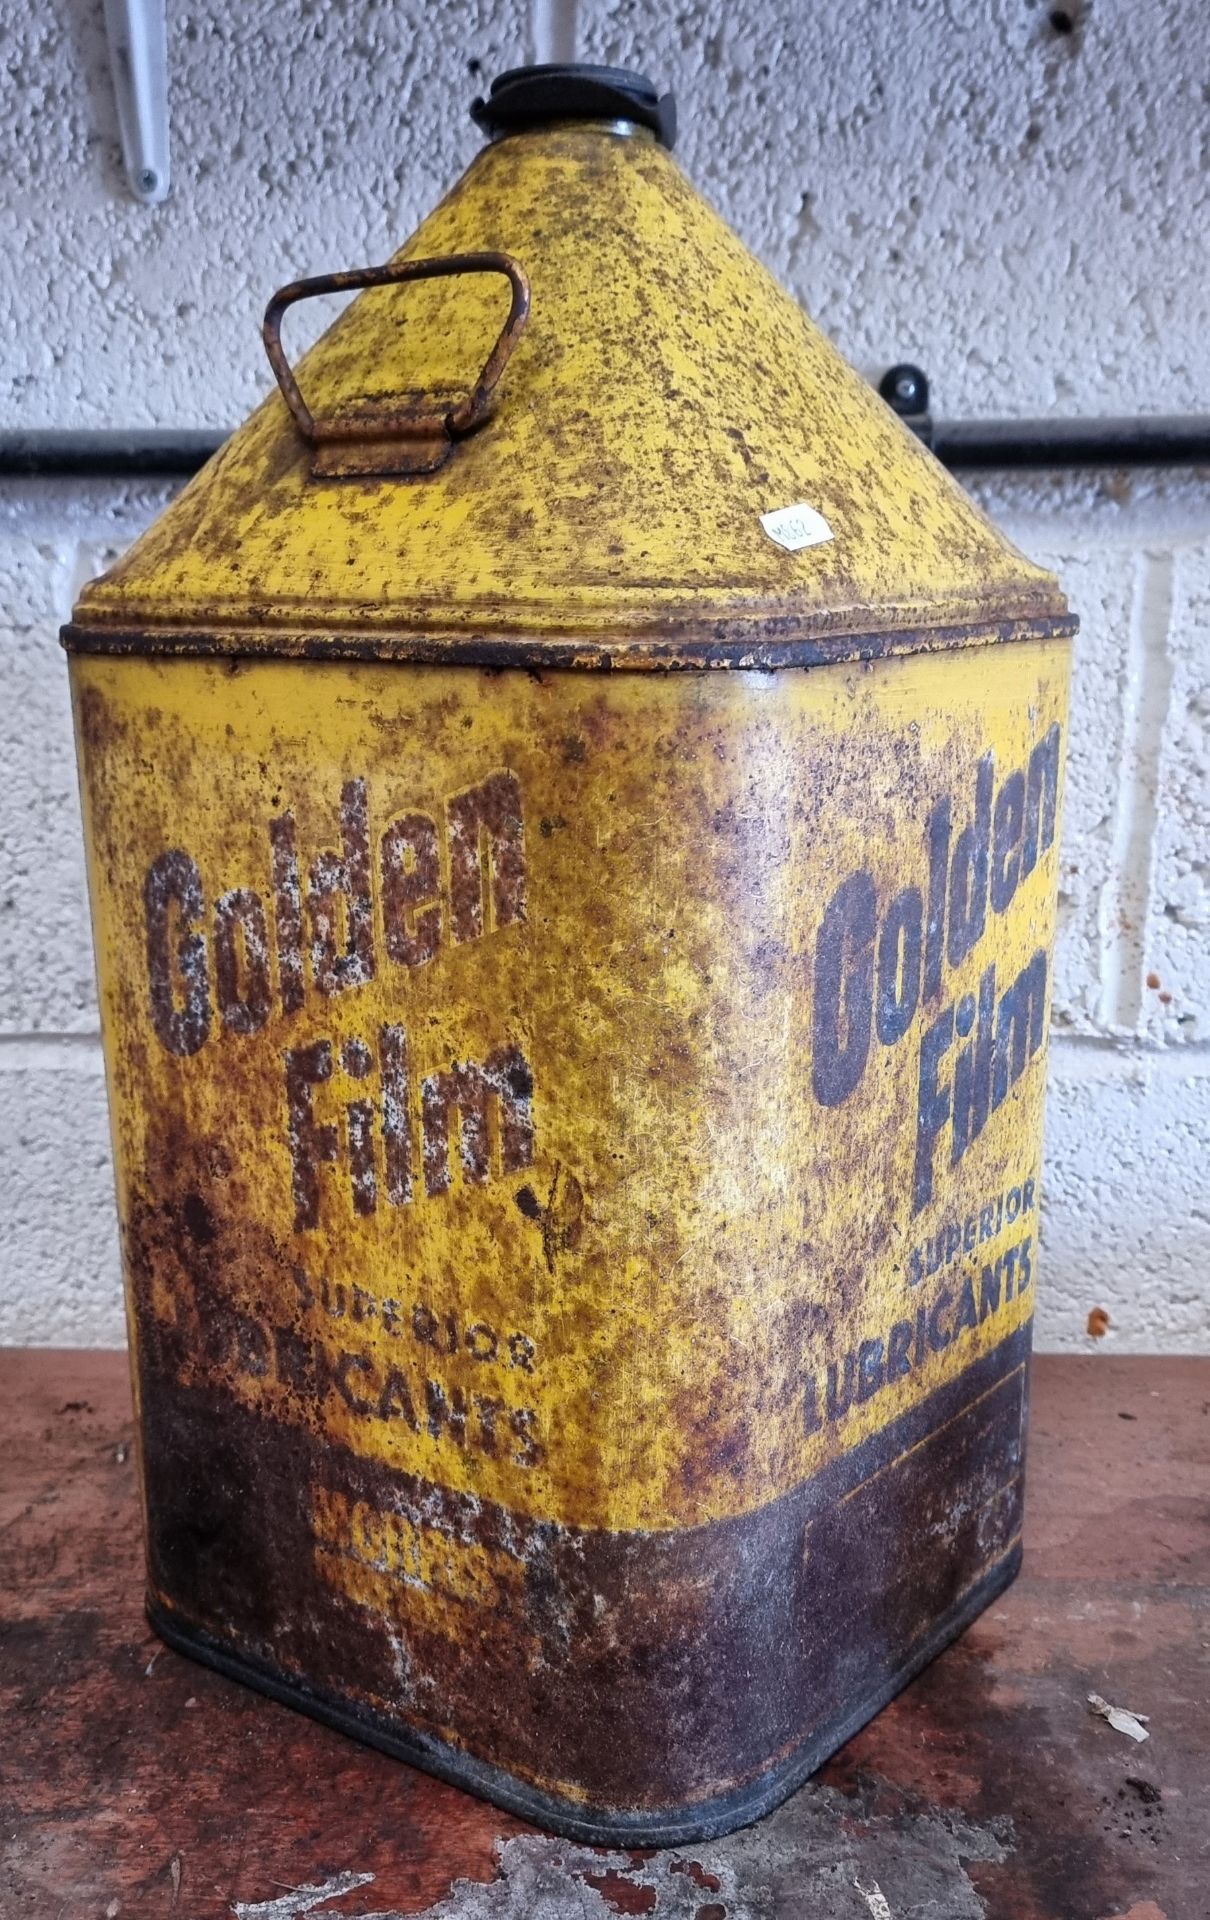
672	1685
673	1828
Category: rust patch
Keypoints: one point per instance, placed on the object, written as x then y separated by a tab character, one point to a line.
621	1893
632	1626
396	440
597	1435
709	1882
760	644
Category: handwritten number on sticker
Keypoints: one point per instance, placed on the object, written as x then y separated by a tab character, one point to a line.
796	527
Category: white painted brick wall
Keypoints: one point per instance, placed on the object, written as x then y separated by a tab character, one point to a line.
1177	924
1021	209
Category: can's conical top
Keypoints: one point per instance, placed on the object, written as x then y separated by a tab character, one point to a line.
589	429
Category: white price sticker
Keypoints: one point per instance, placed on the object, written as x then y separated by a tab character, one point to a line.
796	527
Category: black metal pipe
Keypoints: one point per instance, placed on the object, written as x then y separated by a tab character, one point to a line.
1156	441
134	454
1147	441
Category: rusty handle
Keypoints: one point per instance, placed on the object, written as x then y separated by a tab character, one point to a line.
453	421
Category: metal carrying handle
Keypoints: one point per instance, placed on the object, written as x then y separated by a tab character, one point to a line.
399	424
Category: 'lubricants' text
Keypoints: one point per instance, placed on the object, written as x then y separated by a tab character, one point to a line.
953	1313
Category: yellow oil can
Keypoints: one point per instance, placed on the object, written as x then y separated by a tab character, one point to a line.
572	795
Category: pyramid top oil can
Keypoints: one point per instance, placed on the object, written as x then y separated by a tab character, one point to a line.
572	795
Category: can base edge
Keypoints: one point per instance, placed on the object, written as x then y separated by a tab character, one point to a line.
667	1827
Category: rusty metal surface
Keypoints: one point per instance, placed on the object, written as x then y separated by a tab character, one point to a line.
577	1135
137	1784
616	1664
665	395
697	648
411	439
579	1186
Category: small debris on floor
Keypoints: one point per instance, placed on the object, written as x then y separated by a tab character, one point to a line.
1147	1791
875	1900
1120	1718
300	1901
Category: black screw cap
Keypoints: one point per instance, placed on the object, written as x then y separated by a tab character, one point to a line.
536	96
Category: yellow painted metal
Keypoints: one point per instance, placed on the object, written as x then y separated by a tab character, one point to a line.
665	394
555	1110
704	1236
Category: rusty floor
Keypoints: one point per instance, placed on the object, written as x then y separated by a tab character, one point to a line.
134	1783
